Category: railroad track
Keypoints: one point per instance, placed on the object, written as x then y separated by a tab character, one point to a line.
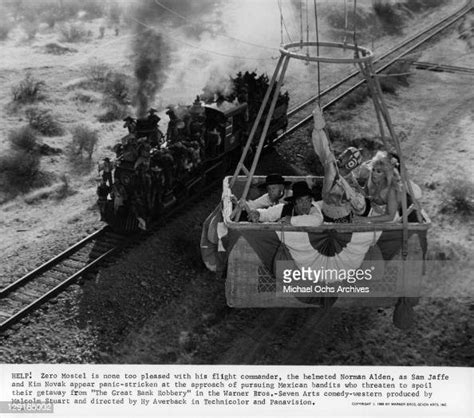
302	113
26	294
431	66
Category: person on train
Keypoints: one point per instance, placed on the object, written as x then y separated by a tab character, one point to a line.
106	167
130	124
342	198
300	209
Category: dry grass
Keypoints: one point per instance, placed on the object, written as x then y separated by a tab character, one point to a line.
29	90
57	191
43	121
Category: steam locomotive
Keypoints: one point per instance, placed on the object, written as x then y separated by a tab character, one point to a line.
152	171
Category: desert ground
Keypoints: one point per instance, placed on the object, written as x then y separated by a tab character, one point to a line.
157	303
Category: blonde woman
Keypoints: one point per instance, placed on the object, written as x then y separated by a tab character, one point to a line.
382	190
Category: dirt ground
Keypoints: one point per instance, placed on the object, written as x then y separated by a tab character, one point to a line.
158	304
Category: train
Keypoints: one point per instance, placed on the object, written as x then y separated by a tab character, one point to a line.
152	171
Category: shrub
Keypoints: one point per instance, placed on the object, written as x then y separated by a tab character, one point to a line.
392	21
116	87
57	49
72	32
84	140
23	139
460	197
85	97
64	190
97	71
400	71
28	90
115	111
357	97
425	4
42	120
18	170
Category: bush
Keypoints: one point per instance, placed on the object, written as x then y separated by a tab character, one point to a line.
419	5
400	72
72	32
97	71
28	90
23	139
460	197
42	120
357	97
391	21
18	170
84	140
115	111
57	49
116	88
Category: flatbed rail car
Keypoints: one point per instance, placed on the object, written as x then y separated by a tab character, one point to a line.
251	248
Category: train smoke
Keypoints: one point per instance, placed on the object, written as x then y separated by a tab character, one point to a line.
151	57
151	64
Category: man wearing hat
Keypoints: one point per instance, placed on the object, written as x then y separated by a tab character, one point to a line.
276	187
300	209
106	167
130	124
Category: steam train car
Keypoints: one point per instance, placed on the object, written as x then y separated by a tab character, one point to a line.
153	171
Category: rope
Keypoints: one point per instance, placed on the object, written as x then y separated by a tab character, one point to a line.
345	23
202	49
317	50
307	29
355	24
223	34
301	20
283	22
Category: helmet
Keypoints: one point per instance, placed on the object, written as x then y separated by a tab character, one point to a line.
350	158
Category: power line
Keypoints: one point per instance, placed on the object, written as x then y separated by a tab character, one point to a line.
203	49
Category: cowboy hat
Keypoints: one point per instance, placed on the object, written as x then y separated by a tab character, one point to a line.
300	189
274	179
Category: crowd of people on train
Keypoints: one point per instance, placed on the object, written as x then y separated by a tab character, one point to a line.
157	159
353	191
